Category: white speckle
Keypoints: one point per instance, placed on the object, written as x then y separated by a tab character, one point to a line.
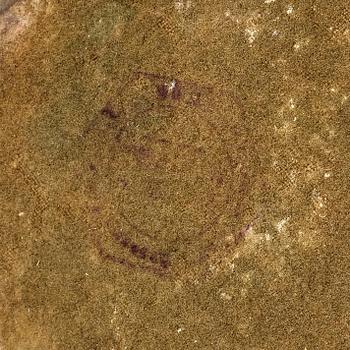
247	277
333	89
180	5
290	9
14	163
286	128
179	330
21	214
225	296
275	32
37	263
292	176
269	1
332	133
300	43
227	13
327	175
172	85
296	46
251	34
344	99
86	274
280	226
291	103
318	200
267	237
213	268
244	292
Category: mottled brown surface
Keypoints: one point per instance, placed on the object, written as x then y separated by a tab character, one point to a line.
174	175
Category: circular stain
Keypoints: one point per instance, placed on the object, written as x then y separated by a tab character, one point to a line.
185	169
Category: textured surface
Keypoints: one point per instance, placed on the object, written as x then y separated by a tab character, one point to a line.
174	174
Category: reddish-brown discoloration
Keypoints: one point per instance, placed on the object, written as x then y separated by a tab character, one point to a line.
137	256
176	92
187	91
157	258
162	91
108	111
112	258
242	234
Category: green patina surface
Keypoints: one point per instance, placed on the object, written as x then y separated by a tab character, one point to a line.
174	175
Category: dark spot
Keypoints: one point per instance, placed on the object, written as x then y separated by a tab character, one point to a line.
108	111
143	253
160	259
176	93
123	183
241	234
162	91
134	248
125	242
92	167
118	261
164	262
93	57
220	180
96	210
140	252
153	258
120	133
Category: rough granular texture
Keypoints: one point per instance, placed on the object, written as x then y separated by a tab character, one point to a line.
174	174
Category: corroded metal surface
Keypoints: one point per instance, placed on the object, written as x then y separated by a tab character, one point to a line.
174	174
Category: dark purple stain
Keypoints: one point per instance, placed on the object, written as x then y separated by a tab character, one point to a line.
162	91
160	259
108	111
176	92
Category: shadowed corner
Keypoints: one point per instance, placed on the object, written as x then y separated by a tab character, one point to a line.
6	4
